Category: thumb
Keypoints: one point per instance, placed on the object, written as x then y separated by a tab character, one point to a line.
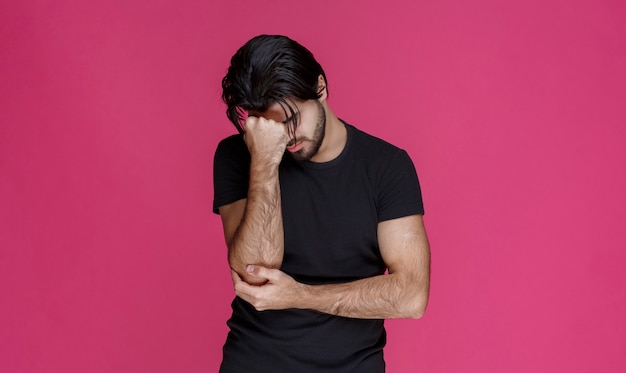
262	272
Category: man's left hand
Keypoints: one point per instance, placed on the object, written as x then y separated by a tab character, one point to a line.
280	291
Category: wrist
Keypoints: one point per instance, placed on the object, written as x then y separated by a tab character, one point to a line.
263	166
305	296
265	159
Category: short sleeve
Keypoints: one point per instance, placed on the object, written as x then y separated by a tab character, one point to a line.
399	193
231	171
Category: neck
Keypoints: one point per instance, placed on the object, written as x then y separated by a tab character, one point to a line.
335	138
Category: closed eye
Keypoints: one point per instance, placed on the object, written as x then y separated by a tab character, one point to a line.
290	119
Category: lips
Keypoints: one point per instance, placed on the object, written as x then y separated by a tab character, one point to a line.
294	148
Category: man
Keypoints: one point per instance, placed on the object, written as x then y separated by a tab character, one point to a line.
314	212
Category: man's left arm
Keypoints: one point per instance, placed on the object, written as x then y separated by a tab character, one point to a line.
402	293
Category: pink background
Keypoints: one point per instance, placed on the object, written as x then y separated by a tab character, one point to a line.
514	113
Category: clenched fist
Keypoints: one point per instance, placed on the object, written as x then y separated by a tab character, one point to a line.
266	139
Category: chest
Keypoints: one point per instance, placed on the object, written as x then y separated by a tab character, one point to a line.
330	224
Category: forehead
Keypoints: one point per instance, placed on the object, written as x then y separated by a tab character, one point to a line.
278	111
275	112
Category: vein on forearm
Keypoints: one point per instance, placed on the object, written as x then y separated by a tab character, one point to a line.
384	296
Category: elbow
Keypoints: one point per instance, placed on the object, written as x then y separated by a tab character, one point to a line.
241	268
417	306
417	312
412	299
240	264
239	260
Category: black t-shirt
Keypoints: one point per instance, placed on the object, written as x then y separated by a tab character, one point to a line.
330	215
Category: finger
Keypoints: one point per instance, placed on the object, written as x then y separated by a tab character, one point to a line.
251	294
240	285
235	277
251	119
269	274
242	288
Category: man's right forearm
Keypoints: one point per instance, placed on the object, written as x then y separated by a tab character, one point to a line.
259	238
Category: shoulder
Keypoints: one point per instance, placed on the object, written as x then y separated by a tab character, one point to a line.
231	156
232	142
232	147
373	150
391	174
230	171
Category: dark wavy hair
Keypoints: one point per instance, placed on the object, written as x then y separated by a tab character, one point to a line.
266	70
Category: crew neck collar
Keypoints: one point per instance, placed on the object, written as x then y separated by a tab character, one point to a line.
337	159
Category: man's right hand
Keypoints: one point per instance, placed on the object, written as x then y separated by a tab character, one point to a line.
266	139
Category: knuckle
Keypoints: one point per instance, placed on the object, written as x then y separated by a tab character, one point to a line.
259	306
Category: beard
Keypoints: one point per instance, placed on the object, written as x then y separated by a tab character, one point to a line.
305	154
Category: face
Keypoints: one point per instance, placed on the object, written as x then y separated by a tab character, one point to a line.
309	134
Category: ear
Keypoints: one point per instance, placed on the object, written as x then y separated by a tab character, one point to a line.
321	88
